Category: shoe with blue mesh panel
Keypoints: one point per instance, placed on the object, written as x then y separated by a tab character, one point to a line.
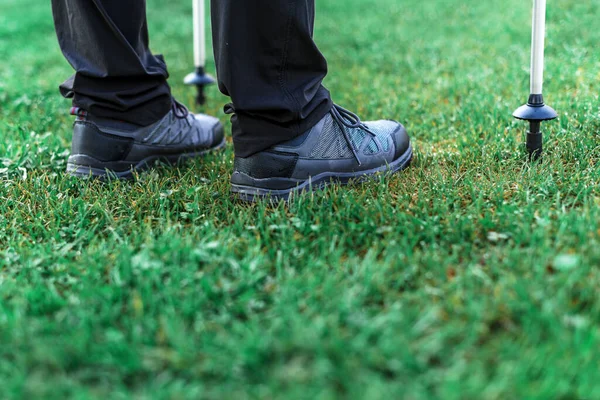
340	148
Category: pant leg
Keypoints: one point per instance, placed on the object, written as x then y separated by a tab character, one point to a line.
269	65
106	42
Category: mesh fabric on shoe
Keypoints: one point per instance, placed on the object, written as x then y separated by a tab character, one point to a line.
333	145
383	130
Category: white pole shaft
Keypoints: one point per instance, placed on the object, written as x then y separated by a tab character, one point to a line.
537	46
199	34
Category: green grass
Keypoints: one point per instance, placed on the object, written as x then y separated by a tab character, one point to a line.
474	275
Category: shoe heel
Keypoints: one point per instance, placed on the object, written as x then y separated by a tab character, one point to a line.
88	140
95	153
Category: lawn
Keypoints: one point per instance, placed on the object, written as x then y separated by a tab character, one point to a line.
473	275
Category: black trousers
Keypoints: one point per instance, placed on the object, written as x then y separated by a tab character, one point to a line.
266	59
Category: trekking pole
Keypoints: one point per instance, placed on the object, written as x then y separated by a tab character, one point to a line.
199	77
535	111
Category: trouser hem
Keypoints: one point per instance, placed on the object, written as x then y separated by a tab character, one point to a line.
263	134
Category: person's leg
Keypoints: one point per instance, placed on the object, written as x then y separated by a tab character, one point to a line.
126	117
269	65
106	42
288	135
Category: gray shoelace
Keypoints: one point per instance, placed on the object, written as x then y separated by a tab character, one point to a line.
179	110
347	119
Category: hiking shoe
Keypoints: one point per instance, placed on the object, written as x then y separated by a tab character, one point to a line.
340	148
103	148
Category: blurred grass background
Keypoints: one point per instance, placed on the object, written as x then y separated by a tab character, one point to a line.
471	276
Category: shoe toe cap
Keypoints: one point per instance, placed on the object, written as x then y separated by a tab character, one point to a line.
386	129
218	134
401	141
214	126
206	120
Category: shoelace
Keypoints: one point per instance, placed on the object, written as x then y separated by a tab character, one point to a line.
348	119
179	110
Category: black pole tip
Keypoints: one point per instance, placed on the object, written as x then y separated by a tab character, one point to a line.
200	97
535	141
535	112
200	79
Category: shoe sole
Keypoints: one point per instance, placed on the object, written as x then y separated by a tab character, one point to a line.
317	182
88	171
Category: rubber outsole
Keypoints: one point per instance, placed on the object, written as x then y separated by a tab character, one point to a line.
88	171
317	182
